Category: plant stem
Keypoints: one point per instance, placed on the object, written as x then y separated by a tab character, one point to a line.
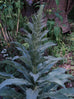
18	19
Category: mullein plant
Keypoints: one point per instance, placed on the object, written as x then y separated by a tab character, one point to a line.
38	80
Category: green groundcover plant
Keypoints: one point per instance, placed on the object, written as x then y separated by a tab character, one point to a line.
38	80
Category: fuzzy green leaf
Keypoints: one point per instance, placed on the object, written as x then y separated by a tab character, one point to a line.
10	92
31	94
14	81
5	75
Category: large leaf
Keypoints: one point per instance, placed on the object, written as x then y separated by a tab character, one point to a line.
45	46
32	94
15	81
46	69
43	34
48	64
10	92
18	66
56	76
24	51
31	27
21	48
68	92
51	60
54	95
27	61
5	75
57	71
